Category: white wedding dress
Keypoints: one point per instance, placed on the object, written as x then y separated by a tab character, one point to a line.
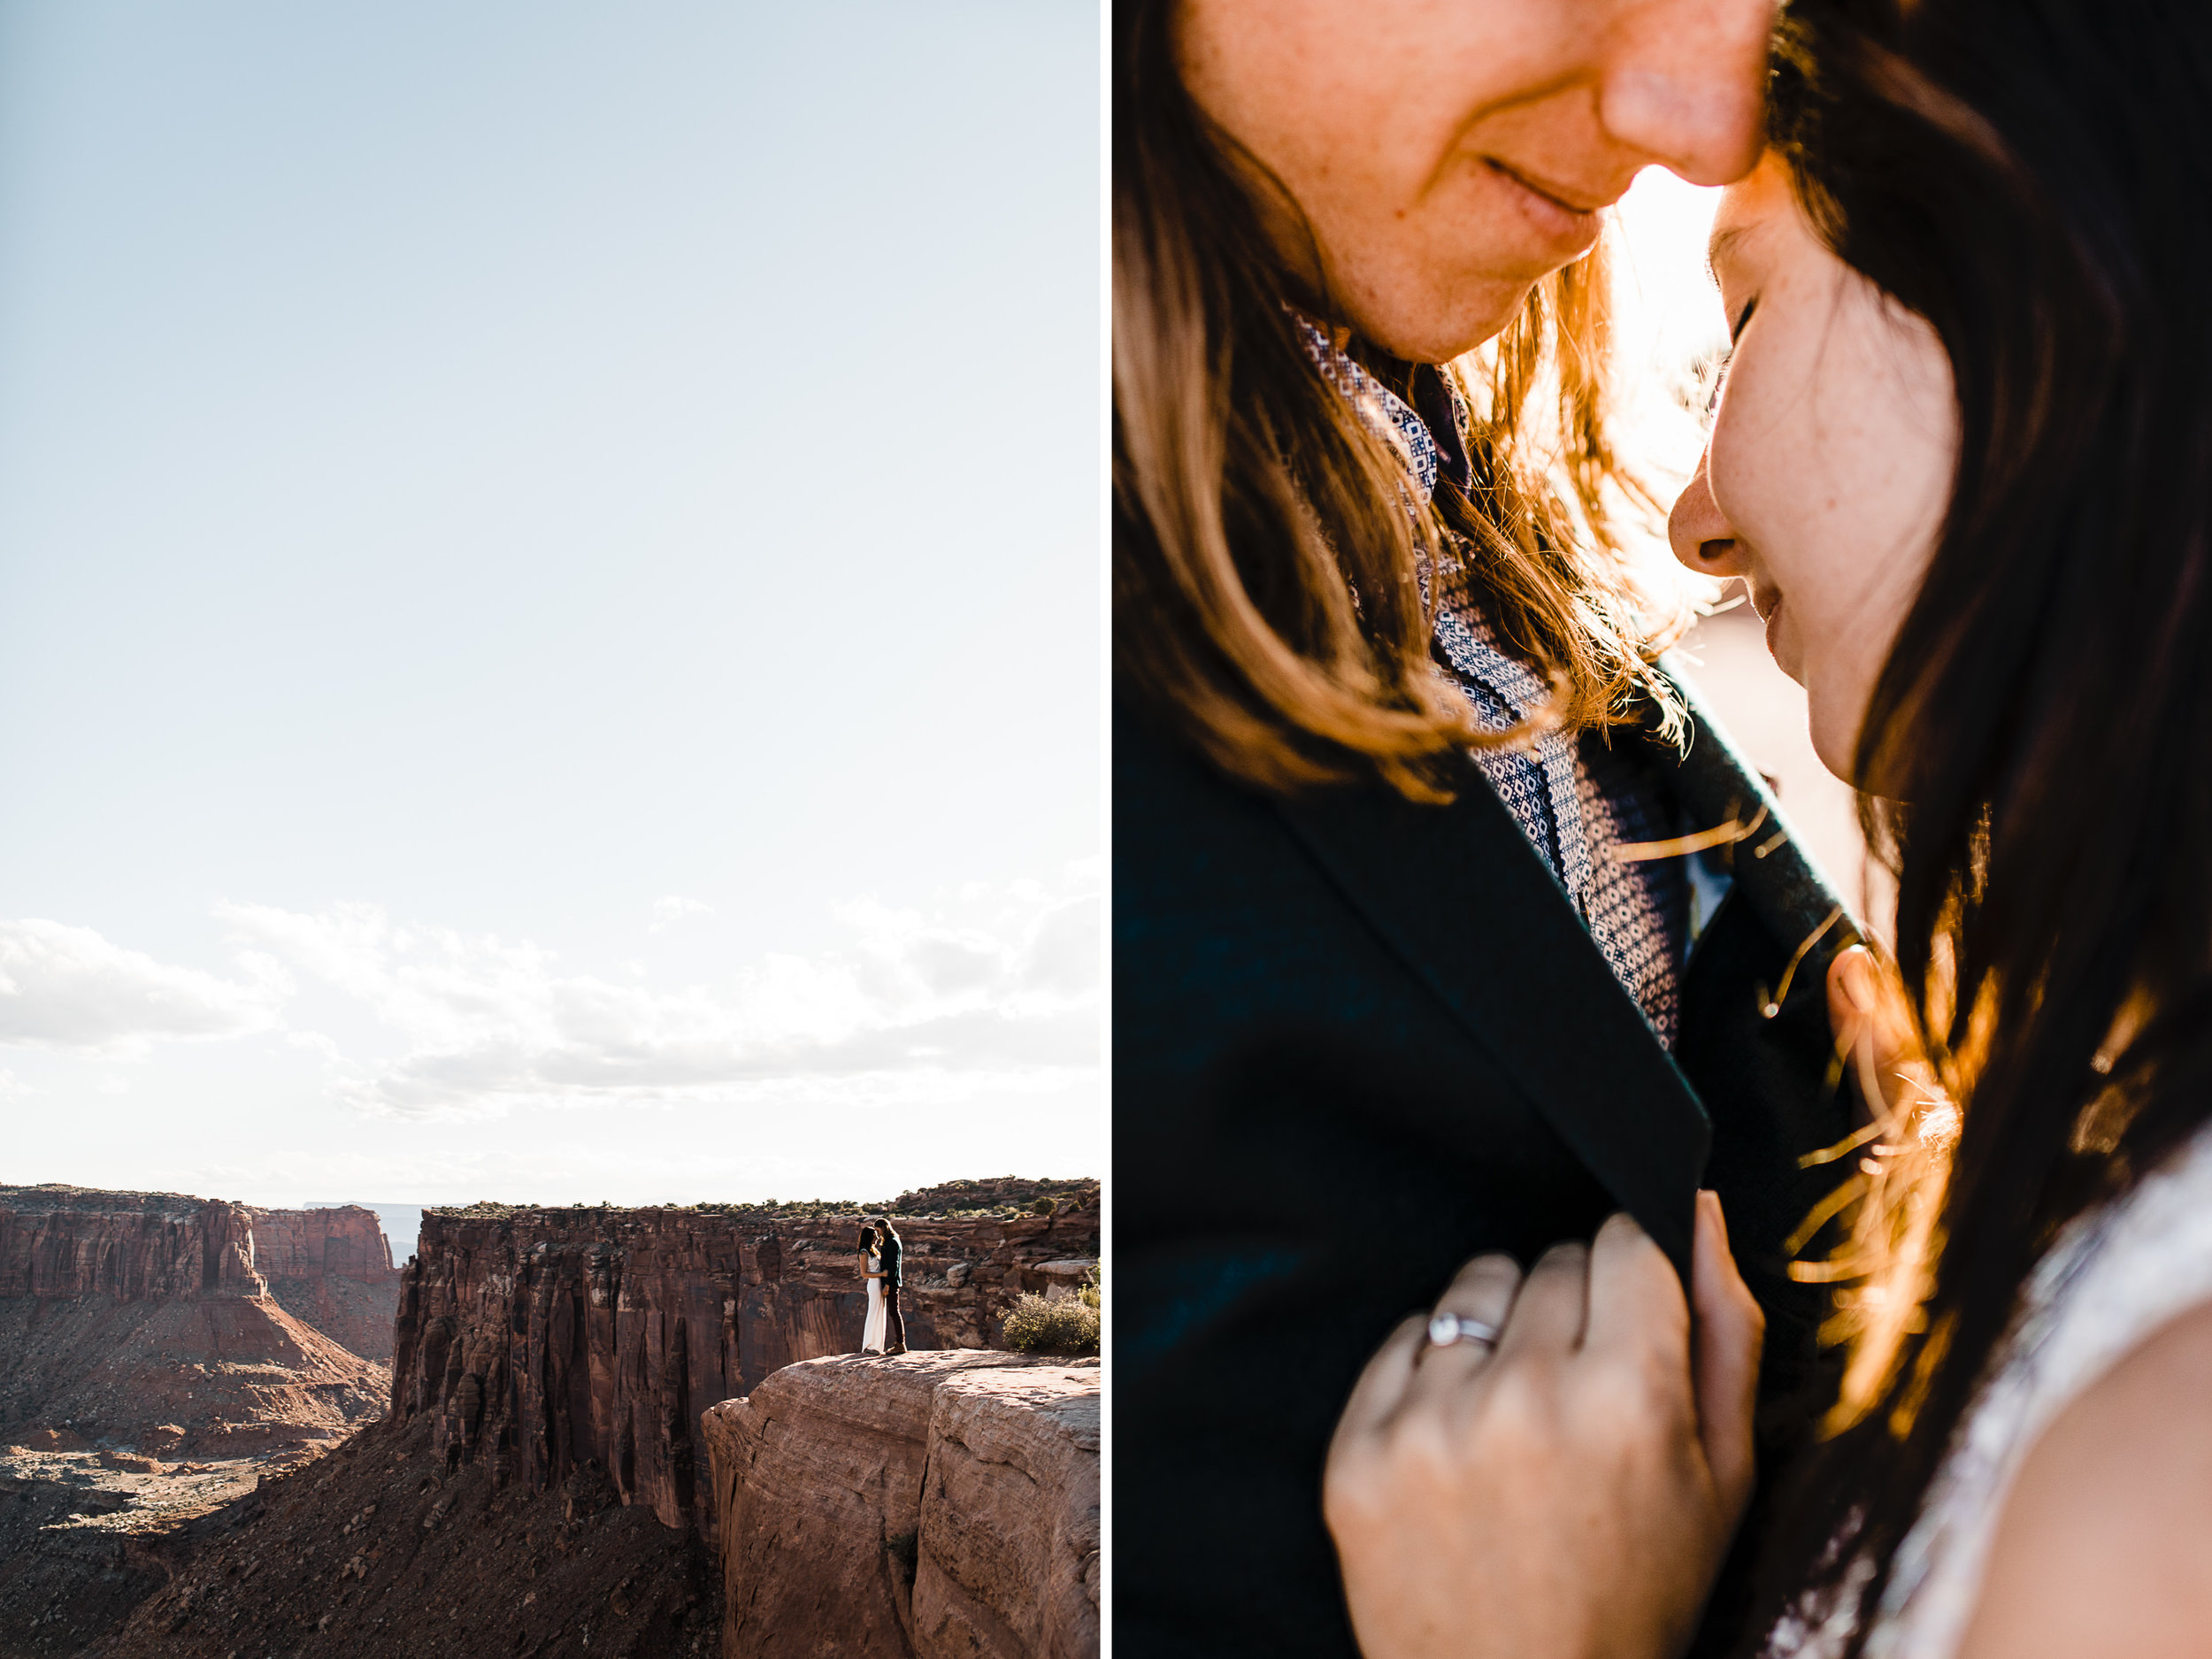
2115	1276
872	1334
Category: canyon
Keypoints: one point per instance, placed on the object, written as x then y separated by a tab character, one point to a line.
150	1373
541	1471
143	1323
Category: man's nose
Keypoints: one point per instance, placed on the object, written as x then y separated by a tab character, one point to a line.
1682	83
1701	534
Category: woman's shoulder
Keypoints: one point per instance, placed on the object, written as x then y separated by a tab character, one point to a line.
2103	1540
2093	1382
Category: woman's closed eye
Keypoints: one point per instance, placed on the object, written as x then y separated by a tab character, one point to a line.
1711	375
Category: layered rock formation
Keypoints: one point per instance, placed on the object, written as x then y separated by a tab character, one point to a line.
924	1507
147	1376
332	1269
139	1321
542	1339
133	1246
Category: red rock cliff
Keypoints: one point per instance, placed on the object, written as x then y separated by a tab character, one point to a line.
342	1242
139	1319
543	1339
332	1268
133	1246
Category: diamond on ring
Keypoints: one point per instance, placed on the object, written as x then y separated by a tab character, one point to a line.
1448	1328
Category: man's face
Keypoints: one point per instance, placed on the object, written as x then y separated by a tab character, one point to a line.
1448	154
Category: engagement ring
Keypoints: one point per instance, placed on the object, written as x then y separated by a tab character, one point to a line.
1448	1328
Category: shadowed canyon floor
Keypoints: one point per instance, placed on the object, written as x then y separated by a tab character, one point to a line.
377	1551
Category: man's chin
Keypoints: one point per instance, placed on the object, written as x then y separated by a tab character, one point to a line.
1473	316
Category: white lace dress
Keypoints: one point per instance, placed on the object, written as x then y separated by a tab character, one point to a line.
2115	1276
872	1334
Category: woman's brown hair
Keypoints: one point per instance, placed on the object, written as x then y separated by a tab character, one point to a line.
2027	175
1268	598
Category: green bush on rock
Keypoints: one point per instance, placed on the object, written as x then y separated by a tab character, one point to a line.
1034	1326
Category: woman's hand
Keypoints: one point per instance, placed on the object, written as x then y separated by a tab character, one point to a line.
1874	1038
1570	1494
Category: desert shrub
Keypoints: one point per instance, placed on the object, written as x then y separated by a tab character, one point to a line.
1034	1326
1042	1207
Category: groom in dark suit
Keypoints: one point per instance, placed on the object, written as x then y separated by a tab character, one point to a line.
1358	1040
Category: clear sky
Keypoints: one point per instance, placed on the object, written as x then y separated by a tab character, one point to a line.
548	597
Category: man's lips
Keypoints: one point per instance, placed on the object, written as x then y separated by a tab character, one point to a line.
1567	200
1560	216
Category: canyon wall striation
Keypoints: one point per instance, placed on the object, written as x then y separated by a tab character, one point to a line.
543	1339
922	1507
58	1241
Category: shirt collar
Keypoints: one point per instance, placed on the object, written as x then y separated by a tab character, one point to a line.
1432	441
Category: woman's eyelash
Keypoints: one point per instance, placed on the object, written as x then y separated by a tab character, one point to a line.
1707	375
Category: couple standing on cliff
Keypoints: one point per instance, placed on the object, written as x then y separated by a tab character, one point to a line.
881	1265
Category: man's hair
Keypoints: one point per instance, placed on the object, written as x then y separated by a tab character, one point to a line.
1267	599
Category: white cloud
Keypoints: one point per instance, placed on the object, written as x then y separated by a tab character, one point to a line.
671	908
64	987
993	992
996	991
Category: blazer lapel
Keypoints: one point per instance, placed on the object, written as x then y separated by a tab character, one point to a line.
1459	894
1791	895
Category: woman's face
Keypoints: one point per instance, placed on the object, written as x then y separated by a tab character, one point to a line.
1829	470
1447	154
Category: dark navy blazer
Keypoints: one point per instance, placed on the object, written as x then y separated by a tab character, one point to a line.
1357	1042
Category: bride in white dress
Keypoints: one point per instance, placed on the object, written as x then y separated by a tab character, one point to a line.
872	1334
1942	471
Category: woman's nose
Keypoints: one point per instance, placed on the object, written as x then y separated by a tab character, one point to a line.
1700	535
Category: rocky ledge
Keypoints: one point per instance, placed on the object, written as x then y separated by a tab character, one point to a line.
915	1507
